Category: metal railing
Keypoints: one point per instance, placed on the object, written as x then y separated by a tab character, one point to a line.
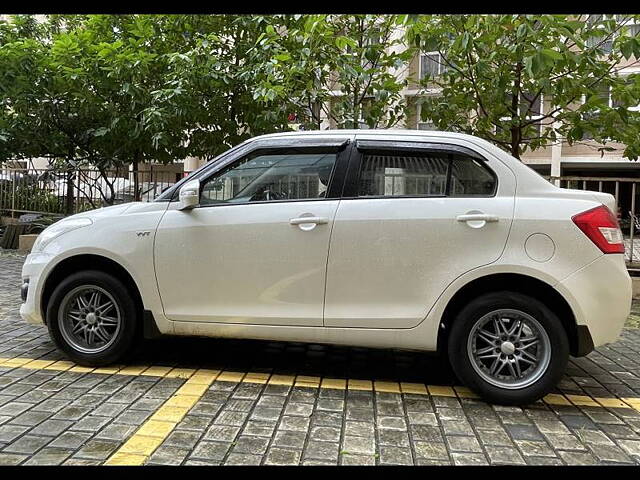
28	190
625	190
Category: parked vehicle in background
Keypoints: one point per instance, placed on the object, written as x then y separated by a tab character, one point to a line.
395	239
148	191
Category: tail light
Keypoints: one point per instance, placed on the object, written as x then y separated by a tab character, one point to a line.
602	228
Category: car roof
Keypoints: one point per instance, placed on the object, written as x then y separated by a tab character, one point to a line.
387	133
405	134
367	132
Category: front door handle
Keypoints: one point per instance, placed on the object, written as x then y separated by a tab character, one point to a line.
477	217
303	220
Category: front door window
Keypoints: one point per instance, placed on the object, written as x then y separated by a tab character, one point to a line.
271	177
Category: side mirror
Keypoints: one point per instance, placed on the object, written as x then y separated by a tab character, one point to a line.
189	195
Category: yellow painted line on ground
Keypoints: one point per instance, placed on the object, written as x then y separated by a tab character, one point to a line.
80	369
195	388
611	402
156	428
386	387
230	377
464	392
441	391
254	377
286	380
634	402
107	370
62	365
582	401
16	362
307	381
204	376
335	383
556	399
156	371
180	373
169	413
135	370
141	445
38	364
199	377
183	401
365	385
415	388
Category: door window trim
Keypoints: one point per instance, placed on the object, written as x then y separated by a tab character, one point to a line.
244	148
342	148
393	147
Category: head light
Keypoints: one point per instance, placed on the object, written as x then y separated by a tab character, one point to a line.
57	229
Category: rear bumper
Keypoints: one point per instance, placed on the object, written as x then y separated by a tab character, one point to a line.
600	297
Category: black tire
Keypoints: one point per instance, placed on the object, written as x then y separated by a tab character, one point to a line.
462	363
124	338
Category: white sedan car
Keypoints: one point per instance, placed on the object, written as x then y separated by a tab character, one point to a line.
395	239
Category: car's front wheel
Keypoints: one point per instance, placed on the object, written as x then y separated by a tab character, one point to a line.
508	347
92	318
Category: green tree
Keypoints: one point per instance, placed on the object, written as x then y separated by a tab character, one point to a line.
109	91
343	65
496	71
221	85
46	111
89	89
365	52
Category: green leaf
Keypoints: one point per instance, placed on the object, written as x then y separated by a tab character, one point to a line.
627	50
282	57
553	54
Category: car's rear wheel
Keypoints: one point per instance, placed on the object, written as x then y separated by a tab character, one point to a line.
92	318
508	347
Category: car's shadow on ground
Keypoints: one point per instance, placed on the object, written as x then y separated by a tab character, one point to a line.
296	358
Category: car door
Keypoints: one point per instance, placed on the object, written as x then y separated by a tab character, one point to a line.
254	251
414	217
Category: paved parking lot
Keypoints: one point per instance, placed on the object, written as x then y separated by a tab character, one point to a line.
209	401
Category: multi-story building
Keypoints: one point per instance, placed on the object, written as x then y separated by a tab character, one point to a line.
582	158
579	159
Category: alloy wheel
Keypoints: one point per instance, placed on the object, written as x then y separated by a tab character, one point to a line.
89	318
509	349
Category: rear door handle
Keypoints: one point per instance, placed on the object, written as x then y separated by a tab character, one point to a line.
477	217
303	220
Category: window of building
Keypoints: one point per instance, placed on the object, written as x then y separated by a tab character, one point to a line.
531	106
604	92
633	29
431	65
603	46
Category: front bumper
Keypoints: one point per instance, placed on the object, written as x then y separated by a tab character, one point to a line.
32	273
600	297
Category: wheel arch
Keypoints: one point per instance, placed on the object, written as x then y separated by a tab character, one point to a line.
580	342
80	262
